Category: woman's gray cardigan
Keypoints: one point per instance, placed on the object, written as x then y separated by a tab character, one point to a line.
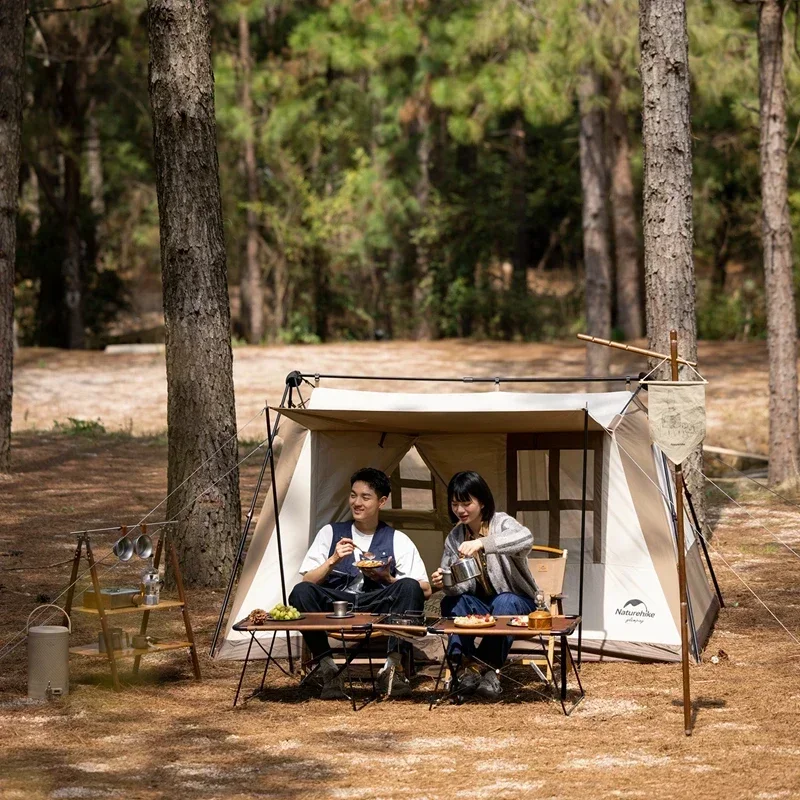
506	546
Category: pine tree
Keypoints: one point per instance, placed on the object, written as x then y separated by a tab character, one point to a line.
776	235
203	477
12	45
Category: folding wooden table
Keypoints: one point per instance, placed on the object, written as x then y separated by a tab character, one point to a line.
561	627
357	629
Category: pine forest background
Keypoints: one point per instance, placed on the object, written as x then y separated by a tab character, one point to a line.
390	168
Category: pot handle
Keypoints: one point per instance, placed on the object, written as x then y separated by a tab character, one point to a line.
48	605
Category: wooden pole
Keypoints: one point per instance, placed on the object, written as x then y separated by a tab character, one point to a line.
687	695
631	349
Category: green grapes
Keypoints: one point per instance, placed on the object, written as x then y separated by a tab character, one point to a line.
284	613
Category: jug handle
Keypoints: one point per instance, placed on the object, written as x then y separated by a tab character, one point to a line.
49	605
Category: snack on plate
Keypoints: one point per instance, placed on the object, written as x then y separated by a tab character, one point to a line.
475	621
519	622
369	564
283	613
258	617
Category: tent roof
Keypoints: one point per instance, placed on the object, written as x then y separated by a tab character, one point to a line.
477	412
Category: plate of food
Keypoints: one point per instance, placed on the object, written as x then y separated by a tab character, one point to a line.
519	622
475	621
280	613
370	563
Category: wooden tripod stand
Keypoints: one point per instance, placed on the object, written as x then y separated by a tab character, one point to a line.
93	650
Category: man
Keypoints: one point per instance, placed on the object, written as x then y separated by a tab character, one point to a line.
329	573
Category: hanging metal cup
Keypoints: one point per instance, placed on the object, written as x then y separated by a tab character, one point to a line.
123	548
143	546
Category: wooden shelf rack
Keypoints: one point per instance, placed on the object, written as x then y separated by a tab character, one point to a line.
93	650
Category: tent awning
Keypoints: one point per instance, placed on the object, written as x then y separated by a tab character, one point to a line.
413	422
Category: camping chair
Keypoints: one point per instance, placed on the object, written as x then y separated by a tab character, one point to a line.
548	572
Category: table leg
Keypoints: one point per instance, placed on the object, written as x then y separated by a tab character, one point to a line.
268	659
244	667
347	659
564	646
439	676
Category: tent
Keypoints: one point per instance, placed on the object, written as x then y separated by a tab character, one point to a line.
564	464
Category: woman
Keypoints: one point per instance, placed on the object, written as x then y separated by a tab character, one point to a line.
508	587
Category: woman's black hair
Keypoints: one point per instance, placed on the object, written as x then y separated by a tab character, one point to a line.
464	485
375	479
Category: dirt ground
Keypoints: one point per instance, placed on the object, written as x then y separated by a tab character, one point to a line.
167	735
128	391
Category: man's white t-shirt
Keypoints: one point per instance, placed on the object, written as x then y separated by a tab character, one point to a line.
407	560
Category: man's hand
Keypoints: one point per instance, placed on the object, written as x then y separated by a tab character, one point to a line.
380	574
344	548
470	548
436	580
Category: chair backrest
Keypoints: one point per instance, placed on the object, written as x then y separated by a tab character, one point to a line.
548	572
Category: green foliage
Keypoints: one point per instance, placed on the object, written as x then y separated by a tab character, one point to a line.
350	97
80	427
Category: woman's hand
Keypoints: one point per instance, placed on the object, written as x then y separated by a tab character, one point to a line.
436	580
470	548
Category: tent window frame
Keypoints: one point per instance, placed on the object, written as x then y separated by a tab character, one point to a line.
554	443
398	484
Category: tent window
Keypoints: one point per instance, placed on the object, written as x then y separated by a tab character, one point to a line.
412	484
545	474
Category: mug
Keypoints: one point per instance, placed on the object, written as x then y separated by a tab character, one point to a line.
341	608
447	578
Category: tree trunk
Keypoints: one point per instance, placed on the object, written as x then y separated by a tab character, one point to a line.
776	233
72	86
12	41
623	216
423	285
667	217
94	164
519	208
201	416
251	289
596	251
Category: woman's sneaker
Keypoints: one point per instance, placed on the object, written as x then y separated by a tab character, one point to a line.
489	686
468	681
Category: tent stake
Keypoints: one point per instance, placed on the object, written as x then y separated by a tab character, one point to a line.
583	528
687	695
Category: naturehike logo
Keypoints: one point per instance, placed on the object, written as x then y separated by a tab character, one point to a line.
635	611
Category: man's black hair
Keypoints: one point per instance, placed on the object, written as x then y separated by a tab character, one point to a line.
375	479
464	485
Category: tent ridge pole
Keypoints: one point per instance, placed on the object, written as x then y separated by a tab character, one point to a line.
468	379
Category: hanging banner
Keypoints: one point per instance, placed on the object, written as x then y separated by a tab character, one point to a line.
677	413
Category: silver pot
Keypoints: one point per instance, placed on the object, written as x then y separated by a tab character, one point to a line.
465	569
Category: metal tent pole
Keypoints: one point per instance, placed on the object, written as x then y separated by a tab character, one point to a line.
583	527
704	546
243	539
278	534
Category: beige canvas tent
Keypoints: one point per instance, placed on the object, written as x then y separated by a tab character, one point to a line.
531	449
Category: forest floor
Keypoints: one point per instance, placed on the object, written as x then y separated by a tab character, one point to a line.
169	736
